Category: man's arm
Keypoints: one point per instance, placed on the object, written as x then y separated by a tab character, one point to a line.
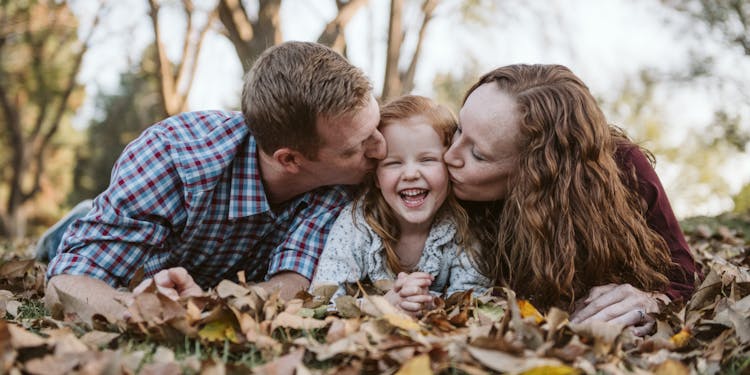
294	259
130	221
288	283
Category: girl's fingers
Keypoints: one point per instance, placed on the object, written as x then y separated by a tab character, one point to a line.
420	298
411	307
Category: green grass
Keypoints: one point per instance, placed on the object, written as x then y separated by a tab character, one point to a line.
737	365
31	309
734	221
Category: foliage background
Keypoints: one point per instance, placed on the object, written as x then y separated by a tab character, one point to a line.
80	79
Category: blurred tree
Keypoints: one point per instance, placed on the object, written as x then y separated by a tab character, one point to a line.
398	81
637	110
252	32
730	20
176	80
124	115
42	55
449	88
742	200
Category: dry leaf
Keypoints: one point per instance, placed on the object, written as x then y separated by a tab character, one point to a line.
680	339
219	330
402	321
504	362
287	320
528	310
551	370
97	339
284	365
671	367
418	365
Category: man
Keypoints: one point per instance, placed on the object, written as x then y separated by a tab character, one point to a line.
200	196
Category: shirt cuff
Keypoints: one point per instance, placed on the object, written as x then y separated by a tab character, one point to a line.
293	260
74	264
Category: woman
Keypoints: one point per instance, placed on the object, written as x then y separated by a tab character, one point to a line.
570	213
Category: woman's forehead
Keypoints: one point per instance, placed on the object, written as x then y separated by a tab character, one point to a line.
490	116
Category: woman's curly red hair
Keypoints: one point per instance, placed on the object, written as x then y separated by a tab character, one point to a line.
569	222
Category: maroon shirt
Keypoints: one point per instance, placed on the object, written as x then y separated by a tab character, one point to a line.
661	219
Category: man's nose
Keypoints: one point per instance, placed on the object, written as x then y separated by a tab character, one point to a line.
376	146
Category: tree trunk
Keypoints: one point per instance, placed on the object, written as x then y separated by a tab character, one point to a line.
333	33
177	79
397	82
391	81
251	38
30	138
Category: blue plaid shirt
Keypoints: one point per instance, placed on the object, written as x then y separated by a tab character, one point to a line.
188	193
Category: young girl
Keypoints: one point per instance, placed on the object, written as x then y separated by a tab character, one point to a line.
406	225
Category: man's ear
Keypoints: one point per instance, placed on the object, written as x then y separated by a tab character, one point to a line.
288	158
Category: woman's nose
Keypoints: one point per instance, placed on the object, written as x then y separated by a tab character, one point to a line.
452	158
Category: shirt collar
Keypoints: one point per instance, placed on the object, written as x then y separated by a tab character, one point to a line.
247	196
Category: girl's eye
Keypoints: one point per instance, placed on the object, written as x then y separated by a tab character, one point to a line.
429	159
391	163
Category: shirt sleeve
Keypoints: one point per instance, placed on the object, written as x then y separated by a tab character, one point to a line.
130	221
661	219
342	259
304	243
464	276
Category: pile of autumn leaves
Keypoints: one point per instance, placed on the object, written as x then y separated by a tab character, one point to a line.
239	328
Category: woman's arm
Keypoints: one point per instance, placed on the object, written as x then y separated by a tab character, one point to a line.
661	219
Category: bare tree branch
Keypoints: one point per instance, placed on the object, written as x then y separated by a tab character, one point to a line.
62	105
238	27
166	83
194	57
188	8
428	9
333	33
392	83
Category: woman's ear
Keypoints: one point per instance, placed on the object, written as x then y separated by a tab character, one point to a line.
288	158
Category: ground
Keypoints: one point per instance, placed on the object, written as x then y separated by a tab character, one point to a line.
238	328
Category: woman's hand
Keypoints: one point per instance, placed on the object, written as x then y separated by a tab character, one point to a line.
411	292
620	304
174	283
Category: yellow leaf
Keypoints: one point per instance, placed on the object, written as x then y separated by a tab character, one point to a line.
681	338
528	310
401	321
219	330
551	370
418	365
671	367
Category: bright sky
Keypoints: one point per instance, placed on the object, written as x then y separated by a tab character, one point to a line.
601	41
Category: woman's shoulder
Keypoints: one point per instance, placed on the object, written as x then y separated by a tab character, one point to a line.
629	154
